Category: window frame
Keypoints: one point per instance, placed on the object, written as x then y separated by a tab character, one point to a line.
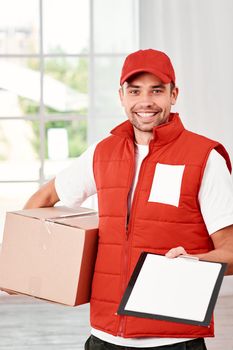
41	116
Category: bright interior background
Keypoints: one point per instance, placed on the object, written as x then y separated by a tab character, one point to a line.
60	63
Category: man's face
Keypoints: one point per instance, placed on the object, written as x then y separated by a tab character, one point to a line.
147	101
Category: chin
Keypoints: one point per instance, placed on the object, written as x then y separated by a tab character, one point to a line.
145	128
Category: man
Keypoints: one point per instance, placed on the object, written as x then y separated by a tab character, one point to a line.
161	189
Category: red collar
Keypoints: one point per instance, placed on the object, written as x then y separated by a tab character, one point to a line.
163	133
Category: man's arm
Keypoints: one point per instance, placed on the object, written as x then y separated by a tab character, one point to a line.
222	252
223	248
46	196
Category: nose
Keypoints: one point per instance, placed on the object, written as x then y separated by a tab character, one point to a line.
146	103
146	100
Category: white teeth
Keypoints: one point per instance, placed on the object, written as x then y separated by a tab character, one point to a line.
144	115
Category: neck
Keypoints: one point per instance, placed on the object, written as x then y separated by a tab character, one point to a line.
143	137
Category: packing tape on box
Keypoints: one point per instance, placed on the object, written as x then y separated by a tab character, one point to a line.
48	225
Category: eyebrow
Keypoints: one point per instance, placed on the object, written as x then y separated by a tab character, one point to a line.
129	86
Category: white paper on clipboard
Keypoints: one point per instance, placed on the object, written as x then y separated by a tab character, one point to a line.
176	289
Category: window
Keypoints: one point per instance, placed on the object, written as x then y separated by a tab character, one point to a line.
60	64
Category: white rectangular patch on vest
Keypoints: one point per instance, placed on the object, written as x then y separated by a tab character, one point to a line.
166	184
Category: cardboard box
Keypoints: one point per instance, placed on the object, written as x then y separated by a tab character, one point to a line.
50	253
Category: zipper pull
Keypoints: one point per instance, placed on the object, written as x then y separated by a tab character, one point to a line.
127	233
127	227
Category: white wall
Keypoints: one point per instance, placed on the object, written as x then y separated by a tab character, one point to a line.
198	37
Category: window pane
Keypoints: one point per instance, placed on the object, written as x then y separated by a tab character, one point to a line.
66	26
13	197
100	127
19	26
108	111
19	87
115	26
106	85
65	85
65	140
19	149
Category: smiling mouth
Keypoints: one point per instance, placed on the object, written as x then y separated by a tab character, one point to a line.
146	114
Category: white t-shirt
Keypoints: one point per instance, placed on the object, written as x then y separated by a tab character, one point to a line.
76	183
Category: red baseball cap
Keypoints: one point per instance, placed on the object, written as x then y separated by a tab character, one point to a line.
151	61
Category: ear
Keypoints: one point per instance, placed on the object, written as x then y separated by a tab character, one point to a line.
174	95
121	94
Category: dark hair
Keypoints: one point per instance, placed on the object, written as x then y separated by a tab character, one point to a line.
172	86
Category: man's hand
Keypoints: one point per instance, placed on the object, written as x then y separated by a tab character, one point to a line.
10	292
175	252
222	252
46	196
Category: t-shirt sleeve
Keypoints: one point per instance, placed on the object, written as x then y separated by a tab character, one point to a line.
76	183
216	194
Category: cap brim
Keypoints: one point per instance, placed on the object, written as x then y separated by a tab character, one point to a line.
164	78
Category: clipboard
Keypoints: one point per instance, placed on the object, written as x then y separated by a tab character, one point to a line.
182	289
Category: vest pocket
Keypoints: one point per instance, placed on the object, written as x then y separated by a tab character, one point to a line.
166	185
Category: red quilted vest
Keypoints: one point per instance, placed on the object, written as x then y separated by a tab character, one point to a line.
154	227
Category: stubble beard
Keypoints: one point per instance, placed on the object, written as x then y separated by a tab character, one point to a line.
147	127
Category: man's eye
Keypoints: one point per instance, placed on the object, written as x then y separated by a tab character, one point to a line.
134	92
157	91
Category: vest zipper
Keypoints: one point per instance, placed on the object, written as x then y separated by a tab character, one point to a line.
125	265
140	176
122	321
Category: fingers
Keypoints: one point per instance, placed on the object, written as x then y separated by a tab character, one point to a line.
10	292
175	252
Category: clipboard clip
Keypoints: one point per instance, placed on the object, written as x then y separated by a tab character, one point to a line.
189	257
